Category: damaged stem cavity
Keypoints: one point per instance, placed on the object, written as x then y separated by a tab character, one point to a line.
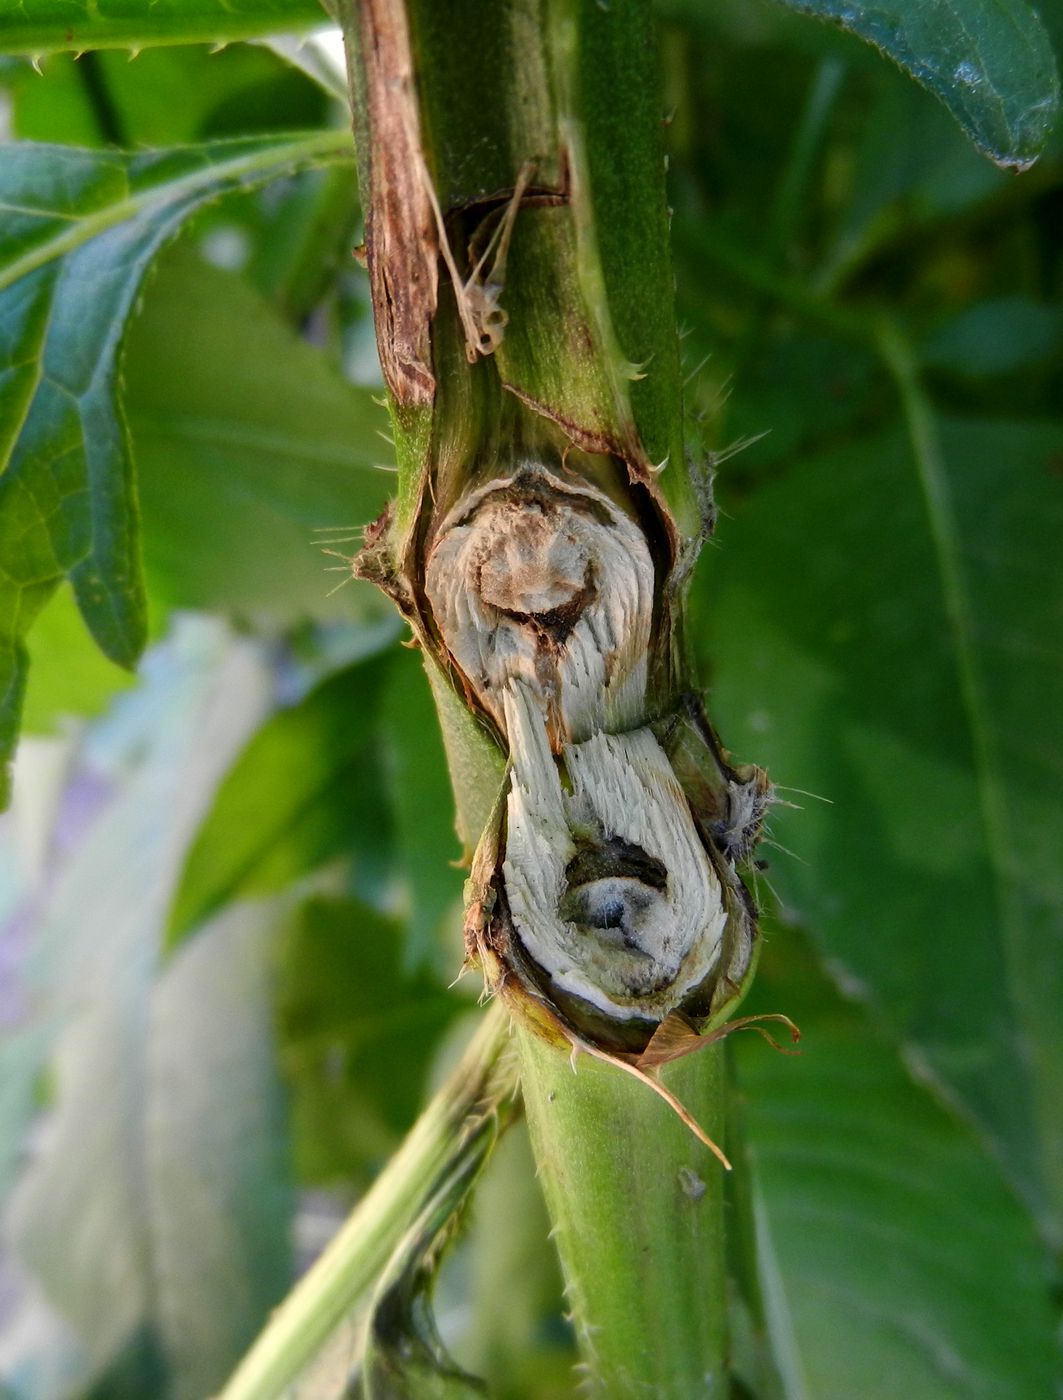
609	888
599	894
545	580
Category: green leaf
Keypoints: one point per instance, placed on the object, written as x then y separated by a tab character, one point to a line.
172	96
70	676
357	1036
80	230
884	638
252	453
903	1264
44	26
912	171
1000	336
308	782
989	61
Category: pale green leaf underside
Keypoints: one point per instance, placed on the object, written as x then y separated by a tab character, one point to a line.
78	231
97	1218
989	61
45	26
219	1164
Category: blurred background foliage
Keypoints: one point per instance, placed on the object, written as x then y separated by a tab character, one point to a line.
228	895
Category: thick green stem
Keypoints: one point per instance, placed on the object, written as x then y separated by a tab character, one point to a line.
482	1084
512	168
638	1209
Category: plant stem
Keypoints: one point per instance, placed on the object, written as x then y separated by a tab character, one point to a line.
638	1210
542	119
482	1083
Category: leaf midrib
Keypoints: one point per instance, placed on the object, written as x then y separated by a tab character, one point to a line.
989	781
281	152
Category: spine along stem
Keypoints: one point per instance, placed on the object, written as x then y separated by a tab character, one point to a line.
547	519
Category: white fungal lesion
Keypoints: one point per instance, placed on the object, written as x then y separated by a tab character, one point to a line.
612	899
546	580
609	888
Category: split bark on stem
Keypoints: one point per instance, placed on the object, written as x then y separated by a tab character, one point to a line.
546	523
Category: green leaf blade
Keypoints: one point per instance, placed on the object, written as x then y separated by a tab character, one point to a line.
70	675
84	228
906	1264
253	453
989	61
357	1036
318	751
848	682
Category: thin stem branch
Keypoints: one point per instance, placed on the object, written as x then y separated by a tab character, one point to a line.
341	1278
